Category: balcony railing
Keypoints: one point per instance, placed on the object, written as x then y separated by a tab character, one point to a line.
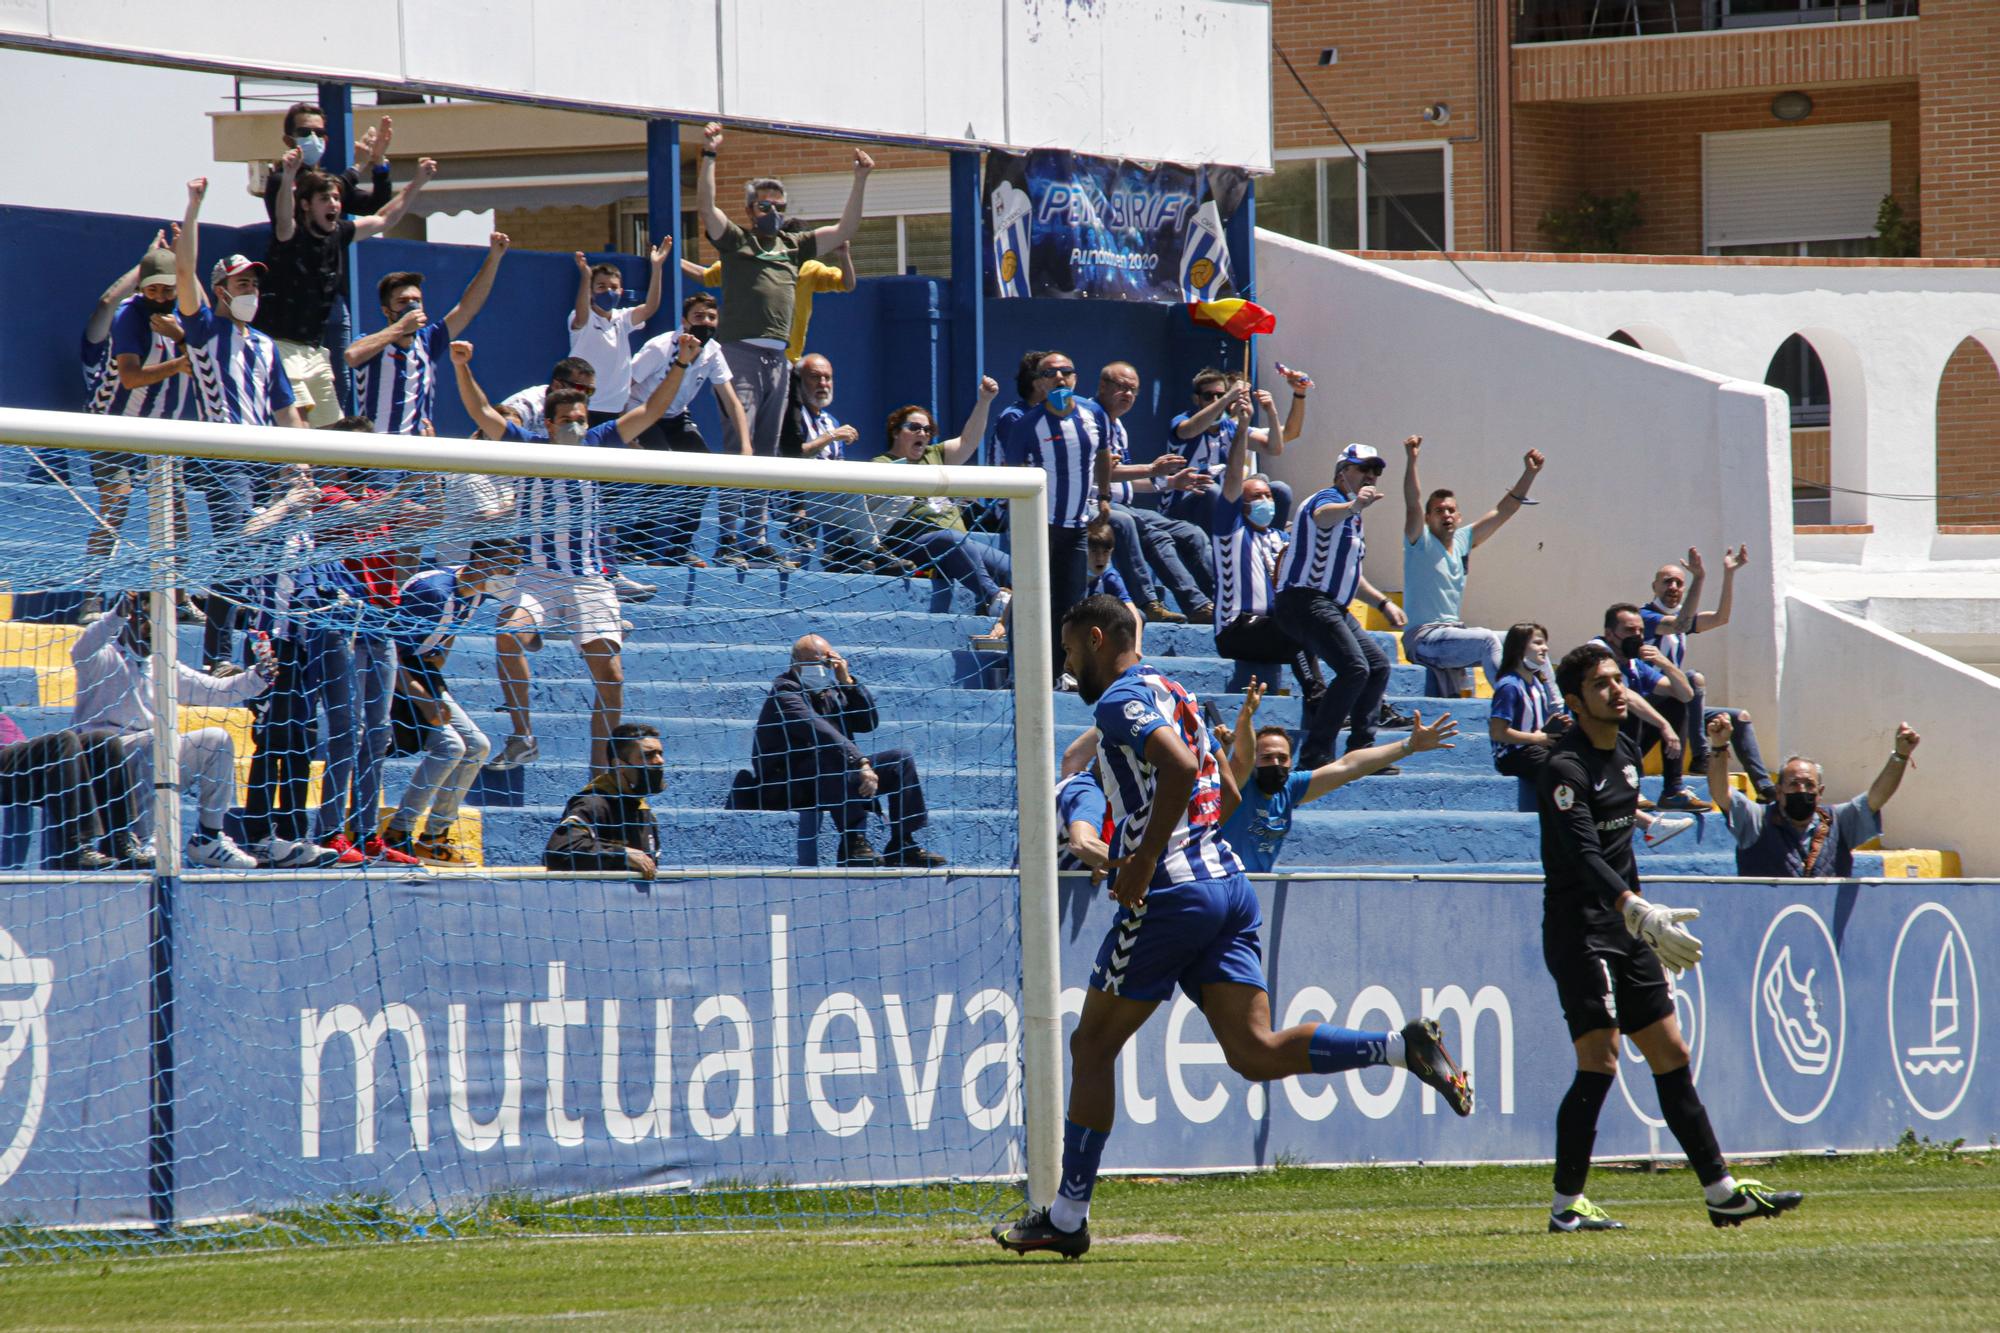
1578	20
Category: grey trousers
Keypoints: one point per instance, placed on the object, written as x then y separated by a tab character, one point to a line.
762	379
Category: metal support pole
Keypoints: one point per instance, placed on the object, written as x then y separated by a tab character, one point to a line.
1240	234
161	485
968	290
663	204
1034	760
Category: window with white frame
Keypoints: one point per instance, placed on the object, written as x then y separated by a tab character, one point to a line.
1348	203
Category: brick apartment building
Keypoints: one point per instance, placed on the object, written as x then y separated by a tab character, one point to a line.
1767	128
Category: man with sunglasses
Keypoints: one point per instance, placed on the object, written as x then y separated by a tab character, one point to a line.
1203	435
760	276
1068	437
1319	574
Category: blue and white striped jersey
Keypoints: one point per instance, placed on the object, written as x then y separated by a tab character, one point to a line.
561	515
1210	449
238	378
96	361
132	332
1328	559
1246	563
1138	703
813	424
1066	448
1121	491
1079	800
275	600
1523	703
1672	646
396	389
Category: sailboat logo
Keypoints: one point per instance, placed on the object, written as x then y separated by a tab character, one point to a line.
1933	1011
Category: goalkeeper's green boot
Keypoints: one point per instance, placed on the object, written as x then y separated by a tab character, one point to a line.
1583	1215
1753	1199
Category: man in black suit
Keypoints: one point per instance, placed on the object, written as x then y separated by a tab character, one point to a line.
804	758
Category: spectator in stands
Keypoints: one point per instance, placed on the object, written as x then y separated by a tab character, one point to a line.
670	539
1261	759
1673	614
142	373
1657	692
1318	576
395	368
238	378
804	758
114	693
48	771
1029	390
815	279
1437	555
307	259
602	325
760	273
931	530
609	826
1527	715
1799	836
305	129
433	608
562	585
1247	548
812	431
1149	543
1202	435
1068	437
1101	578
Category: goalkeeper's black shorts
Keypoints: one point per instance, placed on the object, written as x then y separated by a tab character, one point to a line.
1604	977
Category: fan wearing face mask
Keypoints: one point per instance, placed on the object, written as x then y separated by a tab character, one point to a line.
609	826
1800	836
1261	759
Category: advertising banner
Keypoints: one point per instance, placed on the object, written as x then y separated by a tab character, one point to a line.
1066	225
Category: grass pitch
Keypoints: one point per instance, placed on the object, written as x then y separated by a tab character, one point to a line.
1908	1239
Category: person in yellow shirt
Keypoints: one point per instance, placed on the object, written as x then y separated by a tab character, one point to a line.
814	277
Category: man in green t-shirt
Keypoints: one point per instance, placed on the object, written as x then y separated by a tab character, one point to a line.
760	275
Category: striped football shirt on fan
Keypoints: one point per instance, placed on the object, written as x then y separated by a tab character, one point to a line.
1328	559
1066	448
396	389
1138	703
238	378
560	515
1208	450
1246	561
132	333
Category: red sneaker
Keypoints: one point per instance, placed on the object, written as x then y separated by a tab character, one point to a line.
344	850
377	850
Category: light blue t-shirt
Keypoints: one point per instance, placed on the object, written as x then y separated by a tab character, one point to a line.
1257	830
1434	577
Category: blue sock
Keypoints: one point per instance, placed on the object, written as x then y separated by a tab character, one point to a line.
1335	1049
1082	1150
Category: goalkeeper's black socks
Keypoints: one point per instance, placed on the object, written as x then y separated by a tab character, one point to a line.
1576	1130
1680	1106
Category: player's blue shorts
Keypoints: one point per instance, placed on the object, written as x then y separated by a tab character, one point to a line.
1189	934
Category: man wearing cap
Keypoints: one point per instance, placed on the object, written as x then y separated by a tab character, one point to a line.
1318	576
309	240
1437	556
238	380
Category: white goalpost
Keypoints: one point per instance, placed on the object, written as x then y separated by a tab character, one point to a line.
169	443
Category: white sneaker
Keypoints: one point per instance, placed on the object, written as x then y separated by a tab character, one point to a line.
1668	827
218	851
633	591
517	751
283	854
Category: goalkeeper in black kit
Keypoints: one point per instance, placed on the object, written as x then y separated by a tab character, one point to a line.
1605	946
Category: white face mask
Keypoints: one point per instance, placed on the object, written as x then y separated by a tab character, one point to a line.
243	308
814	676
310	148
570	432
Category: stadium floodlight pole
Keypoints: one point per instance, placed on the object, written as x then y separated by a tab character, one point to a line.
1025	488
1034	784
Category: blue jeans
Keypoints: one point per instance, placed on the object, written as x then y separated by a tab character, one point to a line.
1130	558
1327	630
375	671
1454	648
226	487
979	566
1178	552
334	671
1743	740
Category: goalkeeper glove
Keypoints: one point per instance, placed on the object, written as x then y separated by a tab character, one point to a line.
1660	927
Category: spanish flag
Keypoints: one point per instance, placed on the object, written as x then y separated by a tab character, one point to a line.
1237	318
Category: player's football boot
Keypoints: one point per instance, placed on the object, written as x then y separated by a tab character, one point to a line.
1753	1199
1035	1232
1426	1057
1583	1215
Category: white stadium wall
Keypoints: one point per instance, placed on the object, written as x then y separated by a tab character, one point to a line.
1110	77
1848	683
1646	457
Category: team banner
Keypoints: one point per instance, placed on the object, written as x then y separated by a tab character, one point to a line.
433	1043
1064	224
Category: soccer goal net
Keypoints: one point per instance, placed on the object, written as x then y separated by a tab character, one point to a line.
414	837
